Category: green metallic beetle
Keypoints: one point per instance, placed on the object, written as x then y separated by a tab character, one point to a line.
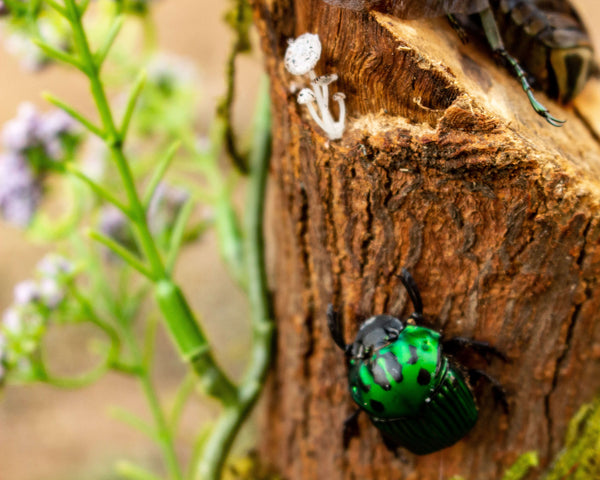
400	374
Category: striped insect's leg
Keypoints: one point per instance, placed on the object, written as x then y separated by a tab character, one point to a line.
495	40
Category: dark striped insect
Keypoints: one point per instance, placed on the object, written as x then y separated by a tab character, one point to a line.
401	374
544	39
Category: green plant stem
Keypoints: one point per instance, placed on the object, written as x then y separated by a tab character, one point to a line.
111	360
219	443
189	337
114	141
163	432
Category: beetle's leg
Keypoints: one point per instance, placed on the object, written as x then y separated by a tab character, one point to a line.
458	28
335	328
350	428
413	292
392	447
455	344
497	388
495	40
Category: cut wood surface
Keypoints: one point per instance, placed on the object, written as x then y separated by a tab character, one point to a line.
444	169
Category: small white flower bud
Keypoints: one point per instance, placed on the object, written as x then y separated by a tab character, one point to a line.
302	54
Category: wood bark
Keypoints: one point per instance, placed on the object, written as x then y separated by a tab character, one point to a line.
444	169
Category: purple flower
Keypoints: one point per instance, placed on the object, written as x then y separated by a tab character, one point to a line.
26	292
54	265
32	129
21	132
12	320
20	192
51	293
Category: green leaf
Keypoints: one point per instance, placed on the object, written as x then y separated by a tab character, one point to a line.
56	6
122	252
115	28
131	101
135	422
134	472
98	189
58	54
178	234
74	113
159	173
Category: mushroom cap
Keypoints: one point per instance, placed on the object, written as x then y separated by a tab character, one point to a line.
339	96
325	79
302	54
306	96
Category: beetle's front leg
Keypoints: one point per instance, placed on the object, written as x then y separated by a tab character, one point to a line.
335	327
350	428
456	344
497	388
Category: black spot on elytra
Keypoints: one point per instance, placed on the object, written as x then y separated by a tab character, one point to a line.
365	388
424	377
377	406
413	355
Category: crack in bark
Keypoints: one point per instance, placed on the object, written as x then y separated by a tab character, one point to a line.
567	347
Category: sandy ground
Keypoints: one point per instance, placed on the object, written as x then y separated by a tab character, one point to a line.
47	434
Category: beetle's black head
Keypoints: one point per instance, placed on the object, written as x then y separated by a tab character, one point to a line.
375	333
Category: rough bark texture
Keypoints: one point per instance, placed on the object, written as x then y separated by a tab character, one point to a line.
447	171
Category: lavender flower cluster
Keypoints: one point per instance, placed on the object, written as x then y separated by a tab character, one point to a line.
34	300
31	142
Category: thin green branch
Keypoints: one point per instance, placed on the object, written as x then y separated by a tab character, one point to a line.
178	234
219	443
122	252
128	418
186	388
74	113
164	436
98	189
108	42
83	5
58	54
134	472
149	342
159	173
56	6
131	102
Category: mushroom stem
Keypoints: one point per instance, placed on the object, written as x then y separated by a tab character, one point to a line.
316	118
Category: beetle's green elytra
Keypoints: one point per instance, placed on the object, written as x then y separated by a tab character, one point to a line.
398	374
397	379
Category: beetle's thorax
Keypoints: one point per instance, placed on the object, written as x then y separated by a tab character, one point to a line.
374	334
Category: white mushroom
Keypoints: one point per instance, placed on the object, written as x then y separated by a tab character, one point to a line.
301	56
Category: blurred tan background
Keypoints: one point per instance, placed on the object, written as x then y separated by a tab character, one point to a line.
47	434
51	434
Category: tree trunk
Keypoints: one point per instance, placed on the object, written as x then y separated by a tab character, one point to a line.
444	169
